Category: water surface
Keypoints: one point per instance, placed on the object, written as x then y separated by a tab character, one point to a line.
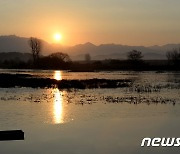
92	120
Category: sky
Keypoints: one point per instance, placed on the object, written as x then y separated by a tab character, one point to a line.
127	22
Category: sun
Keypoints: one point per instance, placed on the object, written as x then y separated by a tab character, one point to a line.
57	37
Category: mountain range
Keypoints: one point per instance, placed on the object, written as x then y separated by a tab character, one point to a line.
15	44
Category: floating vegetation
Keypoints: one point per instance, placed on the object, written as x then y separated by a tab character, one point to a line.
139	100
83	97
146	88
149	88
94	83
130	92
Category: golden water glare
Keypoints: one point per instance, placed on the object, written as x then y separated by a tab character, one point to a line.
57	75
58	107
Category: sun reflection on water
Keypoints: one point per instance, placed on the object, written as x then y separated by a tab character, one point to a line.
57	75
58	107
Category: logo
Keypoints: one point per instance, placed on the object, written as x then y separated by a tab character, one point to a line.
164	142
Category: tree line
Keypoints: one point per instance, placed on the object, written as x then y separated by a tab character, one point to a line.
61	60
54	60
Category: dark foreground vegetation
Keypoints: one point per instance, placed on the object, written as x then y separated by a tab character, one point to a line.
82	66
24	80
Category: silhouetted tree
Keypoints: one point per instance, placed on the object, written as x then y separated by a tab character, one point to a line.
135	55
173	56
63	57
87	57
56	60
135	60
36	46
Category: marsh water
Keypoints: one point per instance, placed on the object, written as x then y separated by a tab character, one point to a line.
98	121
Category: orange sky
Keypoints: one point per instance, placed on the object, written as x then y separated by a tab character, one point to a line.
131	22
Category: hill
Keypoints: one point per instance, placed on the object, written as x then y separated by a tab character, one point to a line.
16	44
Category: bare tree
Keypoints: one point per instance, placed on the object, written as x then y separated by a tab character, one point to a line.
36	46
87	57
135	56
173	56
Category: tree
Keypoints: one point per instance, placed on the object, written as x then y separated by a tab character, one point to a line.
135	56
36	46
61	57
87	57
173	56
56	60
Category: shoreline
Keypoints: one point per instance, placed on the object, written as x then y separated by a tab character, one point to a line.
26	80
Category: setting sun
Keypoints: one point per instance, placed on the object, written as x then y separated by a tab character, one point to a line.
57	37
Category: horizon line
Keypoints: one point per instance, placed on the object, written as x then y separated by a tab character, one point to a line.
89	42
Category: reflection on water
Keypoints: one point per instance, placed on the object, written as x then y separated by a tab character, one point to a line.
58	107
57	75
118	117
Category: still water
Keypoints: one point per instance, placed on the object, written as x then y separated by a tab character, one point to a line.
98	121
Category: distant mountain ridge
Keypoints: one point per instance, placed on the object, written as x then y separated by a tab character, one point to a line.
14	43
